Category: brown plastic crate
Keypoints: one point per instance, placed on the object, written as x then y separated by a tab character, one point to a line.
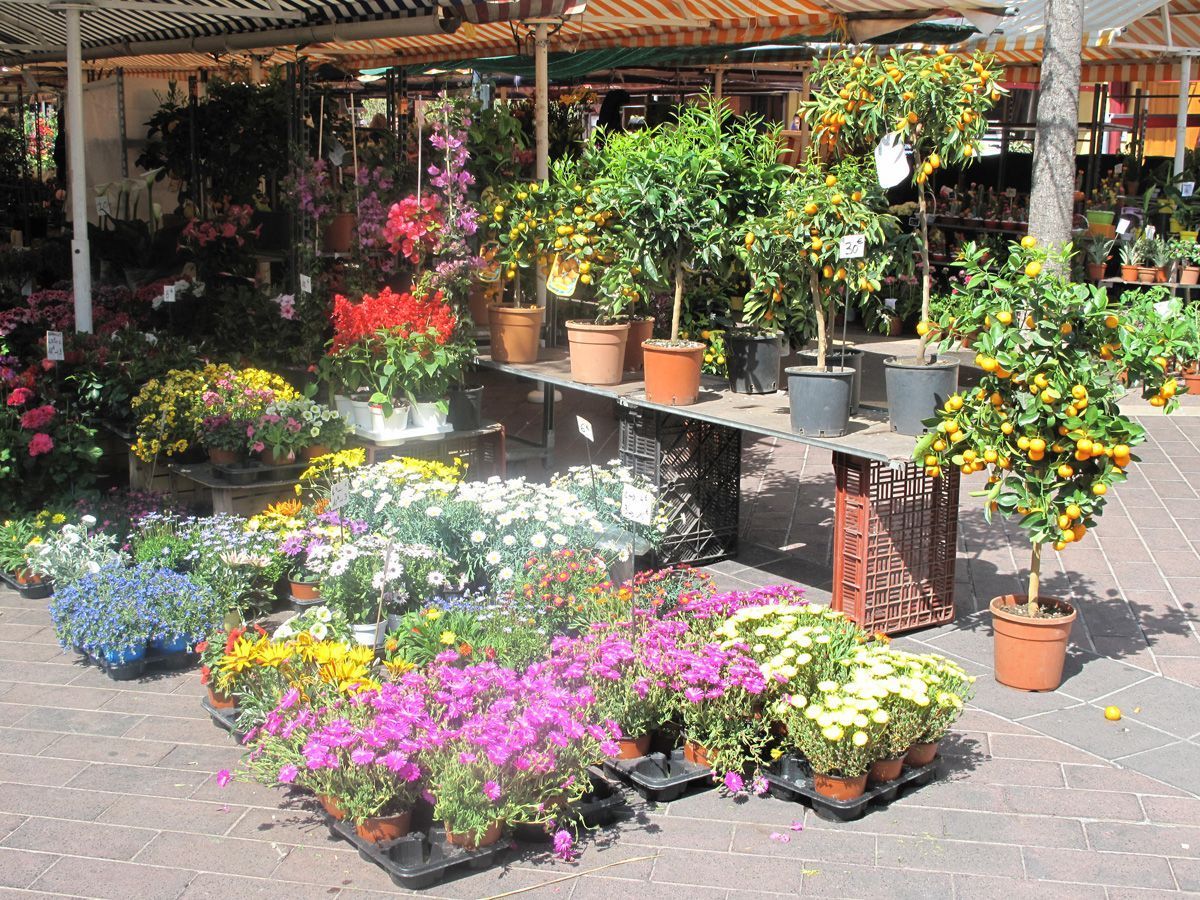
894	556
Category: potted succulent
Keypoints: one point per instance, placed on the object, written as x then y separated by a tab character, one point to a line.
1098	252
938	104
1187	257
1132	254
799	274
1163	256
1046	425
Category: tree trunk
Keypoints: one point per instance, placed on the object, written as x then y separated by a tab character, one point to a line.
1051	203
926	275
677	309
1035	580
814	281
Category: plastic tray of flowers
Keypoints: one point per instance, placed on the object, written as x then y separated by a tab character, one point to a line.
790	778
39	591
597	808
659	777
224	718
419	859
153	661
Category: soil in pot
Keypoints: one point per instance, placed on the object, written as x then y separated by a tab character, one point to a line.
753	361
515	332
632	748
884	770
836	787
466	408
921	754
819	399
640	331
385	828
597	351
471	841
672	371
1030	652
915	389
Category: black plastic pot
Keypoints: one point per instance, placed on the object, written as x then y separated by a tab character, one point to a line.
820	399
753	361
466	408
851	358
915	390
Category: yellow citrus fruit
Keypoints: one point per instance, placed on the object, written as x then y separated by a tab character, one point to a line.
1111	321
1029	242
1112	713
1100	489
1033	269
1004	317
830	180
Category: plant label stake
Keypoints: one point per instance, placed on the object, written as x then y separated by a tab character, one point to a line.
168	293
852	246
585	428
305	284
1151	231
637	505
1122	226
54	346
1187	188
339	494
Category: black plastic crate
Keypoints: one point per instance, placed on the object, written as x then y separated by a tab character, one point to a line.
419	859
790	778
661	777
598	807
696	467
39	591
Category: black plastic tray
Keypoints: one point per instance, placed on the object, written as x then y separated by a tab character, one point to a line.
152	661
419	859
224	718
29	591
658	777
596	808
252	471
791	779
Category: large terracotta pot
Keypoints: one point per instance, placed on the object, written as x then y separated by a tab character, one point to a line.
1190	275
515	332
1029	653
673	372
1192	380
633	748
597	351
477	303
385	828
837	788
339	233
472	842
640	331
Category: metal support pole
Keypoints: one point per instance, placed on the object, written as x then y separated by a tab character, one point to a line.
81	263
541	115
121	124
1181	111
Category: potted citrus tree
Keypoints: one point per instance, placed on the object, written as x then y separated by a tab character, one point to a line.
937	104
1044	422
798	275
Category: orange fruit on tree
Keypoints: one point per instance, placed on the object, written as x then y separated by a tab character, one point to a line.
1029	242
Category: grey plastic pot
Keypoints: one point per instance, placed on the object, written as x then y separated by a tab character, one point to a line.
915	390
820	399
753	362
852	358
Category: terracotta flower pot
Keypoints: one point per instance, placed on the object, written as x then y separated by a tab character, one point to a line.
640	331
696	753
515	332
1129	273
1030	653
1192	380
219	700
883	770
385	828
1096	270
632	748
27	576
1147	274
471	841
332	807
921	754
220	457
1160	274
304	590
269	458
672	372
836	787
597	351
312	451
477	303
339	233
1190	275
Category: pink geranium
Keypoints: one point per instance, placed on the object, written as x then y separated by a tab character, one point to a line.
20	396
37	418
40	443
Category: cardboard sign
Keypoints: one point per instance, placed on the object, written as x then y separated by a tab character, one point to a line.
54	345
168	293
853	246
339	493
637	505
585	428
305	284
1187	188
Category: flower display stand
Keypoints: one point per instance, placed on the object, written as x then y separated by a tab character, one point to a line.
893	556
158	478
481	450
210	490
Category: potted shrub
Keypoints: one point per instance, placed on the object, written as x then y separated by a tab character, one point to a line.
1045	424
938	104
1132	255
798	276
1098	252
1187	257
1163	257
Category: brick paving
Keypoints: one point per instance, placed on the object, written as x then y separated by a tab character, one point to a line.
107	789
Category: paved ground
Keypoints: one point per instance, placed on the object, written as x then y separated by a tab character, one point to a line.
106	789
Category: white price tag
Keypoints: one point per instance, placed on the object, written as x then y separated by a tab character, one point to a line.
853	246
585	428
1162	307
1122	226
54	345
103	206
1150	232
339	493
1187	188
168	293
891	303
305	284
1010	192
637	505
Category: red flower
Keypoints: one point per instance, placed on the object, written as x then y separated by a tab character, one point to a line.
20	396
37	418
390	313
40	443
